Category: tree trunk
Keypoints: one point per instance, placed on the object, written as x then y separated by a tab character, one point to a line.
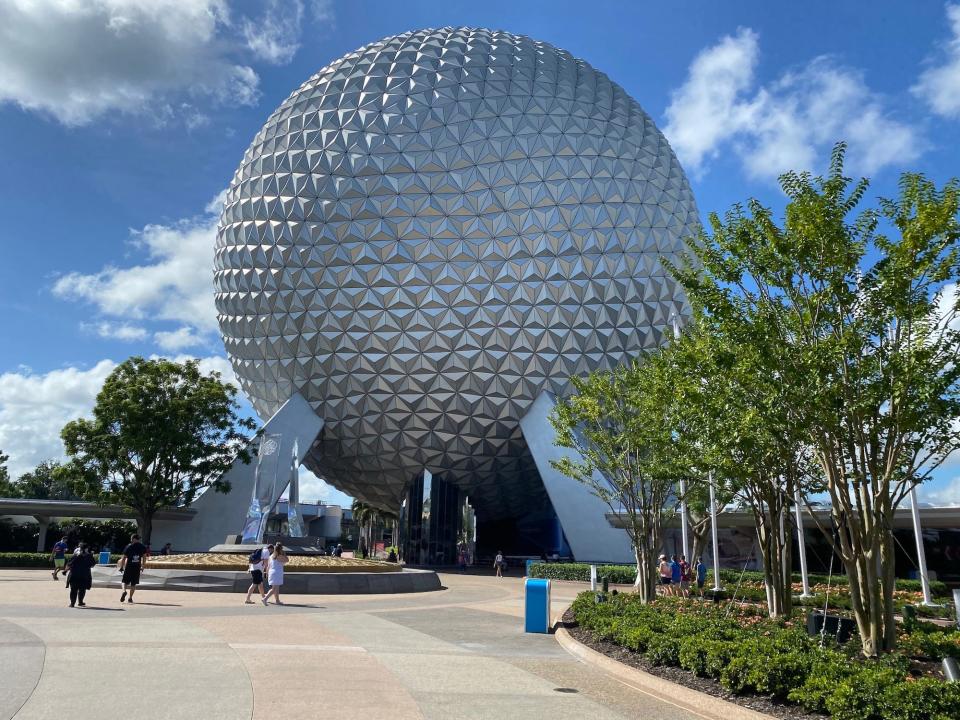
145	528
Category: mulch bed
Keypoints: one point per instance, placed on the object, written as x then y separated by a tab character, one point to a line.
685	678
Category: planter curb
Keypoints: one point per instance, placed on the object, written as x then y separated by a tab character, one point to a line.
694	701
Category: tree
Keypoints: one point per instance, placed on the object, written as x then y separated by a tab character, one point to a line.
161	431
615	423
858	328
6	487
48	481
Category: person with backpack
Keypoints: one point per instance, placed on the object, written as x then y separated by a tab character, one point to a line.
258	565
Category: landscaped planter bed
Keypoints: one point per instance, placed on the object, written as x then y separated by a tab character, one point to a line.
735	652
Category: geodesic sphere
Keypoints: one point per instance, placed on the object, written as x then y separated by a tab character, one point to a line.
430	232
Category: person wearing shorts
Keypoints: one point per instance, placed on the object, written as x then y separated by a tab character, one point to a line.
59	556
665	574
132	562
701	575
256	574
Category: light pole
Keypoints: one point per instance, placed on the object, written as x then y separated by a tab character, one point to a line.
684	526
713	533
802	544
921	555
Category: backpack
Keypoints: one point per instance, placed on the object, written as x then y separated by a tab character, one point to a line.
256	557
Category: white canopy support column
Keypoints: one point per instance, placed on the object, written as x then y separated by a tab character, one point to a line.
44	523
684	522
801	544
713	535
921	555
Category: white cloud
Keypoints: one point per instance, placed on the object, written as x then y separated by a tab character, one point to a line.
784	125
175	340
939	85
34	407
116	331
176	284
313	489
940	495
275	37
79	60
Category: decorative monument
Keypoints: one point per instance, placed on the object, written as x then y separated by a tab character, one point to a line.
420	247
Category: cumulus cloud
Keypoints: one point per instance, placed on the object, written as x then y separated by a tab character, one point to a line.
786	124
275	36
175	340
939	84
116	331
174	283
77	61
34	407
313	489
941	495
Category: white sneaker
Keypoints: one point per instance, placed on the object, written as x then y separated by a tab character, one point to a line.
264	601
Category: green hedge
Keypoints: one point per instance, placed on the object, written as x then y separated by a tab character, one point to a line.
749	653
33	560
627	574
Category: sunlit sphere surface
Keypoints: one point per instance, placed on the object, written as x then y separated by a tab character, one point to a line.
430	232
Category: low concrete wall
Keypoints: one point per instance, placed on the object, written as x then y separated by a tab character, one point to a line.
305	583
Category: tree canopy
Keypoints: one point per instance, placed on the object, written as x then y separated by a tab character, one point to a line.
161	431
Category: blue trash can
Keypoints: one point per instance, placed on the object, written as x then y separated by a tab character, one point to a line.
104	557
537	605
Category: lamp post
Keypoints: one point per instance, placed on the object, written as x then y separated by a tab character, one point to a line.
921	555
713	534
802	545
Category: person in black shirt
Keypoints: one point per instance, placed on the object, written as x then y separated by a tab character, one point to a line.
80	578
131	564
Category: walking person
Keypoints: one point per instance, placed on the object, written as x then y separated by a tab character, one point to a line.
80	577
258	565
59	556
132	562
275	574
499	563
685	576
701	575
665	574
675	576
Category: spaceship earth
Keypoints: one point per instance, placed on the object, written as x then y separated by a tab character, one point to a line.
430	232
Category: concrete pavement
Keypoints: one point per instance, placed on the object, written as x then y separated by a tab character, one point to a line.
457	653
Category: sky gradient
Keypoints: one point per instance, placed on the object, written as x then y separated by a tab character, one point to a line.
122	121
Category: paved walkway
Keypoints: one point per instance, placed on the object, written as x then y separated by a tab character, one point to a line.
457	653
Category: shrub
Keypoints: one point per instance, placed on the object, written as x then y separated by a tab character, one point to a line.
33	560
860	696
923	699
933	643
580	572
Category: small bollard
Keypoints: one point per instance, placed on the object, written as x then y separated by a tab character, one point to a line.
606	583
909	618
593	578
950	669
956	605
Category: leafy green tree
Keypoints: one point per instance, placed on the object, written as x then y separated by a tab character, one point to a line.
857	329
161	431
615	423
6	487
48	481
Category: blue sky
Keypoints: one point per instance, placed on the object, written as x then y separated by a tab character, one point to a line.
121	121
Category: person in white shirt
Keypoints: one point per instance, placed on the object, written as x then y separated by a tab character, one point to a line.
275	575
257	568
499	563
